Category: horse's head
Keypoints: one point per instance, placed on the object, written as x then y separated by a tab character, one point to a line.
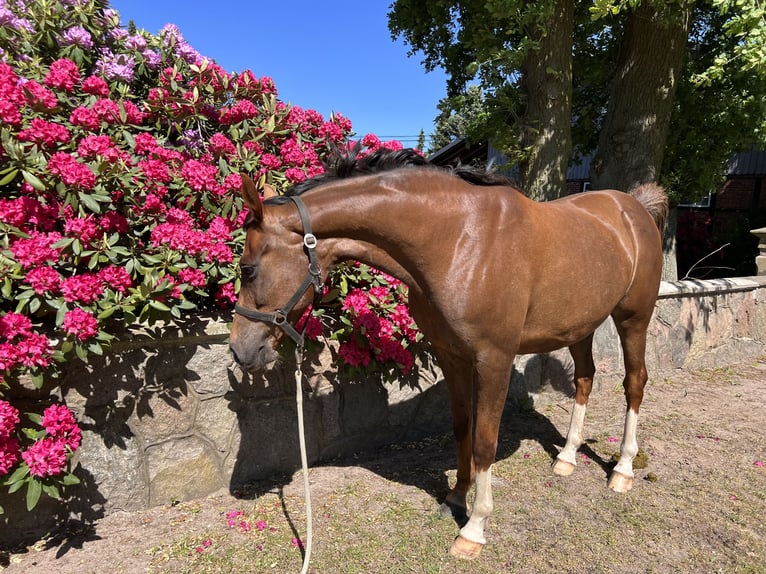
273	267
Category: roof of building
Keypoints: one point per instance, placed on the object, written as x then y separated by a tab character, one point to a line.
747	163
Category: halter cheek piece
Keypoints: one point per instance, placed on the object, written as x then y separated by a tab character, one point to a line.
313	278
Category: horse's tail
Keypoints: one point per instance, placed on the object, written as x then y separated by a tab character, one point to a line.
654	199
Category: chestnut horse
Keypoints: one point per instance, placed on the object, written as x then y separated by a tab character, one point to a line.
491	274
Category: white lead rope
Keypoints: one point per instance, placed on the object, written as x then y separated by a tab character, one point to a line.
304	460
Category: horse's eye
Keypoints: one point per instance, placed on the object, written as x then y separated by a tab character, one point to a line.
248	272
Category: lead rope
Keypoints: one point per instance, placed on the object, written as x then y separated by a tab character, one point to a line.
304	458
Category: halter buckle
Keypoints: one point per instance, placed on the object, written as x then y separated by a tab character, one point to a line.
310	241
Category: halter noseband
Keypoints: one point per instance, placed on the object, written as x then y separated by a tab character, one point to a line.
313	278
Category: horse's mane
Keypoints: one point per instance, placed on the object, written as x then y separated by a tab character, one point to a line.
352	164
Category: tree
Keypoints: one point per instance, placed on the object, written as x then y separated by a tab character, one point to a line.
458	116
636	97
517	49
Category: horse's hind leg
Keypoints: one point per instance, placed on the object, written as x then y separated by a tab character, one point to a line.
632	332
584	369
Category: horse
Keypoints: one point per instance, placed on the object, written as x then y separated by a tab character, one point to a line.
491	274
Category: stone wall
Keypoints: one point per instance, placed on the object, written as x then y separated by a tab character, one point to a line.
166	416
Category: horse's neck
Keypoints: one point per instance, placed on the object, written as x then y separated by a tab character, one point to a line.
363	220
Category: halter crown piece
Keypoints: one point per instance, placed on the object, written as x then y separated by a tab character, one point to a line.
313	278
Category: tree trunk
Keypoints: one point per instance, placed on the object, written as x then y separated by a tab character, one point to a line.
545	130
669	263
633	136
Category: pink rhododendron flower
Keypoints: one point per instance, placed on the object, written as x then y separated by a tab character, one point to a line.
200	176
225	297
46	457
352	354
9	112
80	324
241	110
155	170
85	118
83	228
221	145
113	221
85	288
194	277
14	325
37	249
38	96
9	356
95	86
9	418
60	424
44	133
43	279
63	74
9	454
116	278
71	171
357	301
34	351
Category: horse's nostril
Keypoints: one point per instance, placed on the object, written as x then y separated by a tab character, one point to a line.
234	354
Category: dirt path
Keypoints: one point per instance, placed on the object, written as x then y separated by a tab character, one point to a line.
699	505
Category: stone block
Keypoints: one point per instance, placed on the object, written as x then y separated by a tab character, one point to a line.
182	469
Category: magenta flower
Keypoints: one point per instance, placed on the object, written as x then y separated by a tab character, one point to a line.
9	418
46	457
95	86
116	278
80	324
63	74
43	279
15	325
34	351
44	133
86	288
9	454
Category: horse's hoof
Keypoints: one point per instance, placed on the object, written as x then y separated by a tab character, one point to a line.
620	483
563	468
465	549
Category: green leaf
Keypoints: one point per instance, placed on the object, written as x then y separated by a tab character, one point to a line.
18	476
81	353
69	479
9	177
33	180
52	491
88	201
34	490
159	306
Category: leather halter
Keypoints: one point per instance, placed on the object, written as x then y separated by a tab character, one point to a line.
313	278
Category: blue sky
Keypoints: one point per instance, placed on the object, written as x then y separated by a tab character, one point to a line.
334	55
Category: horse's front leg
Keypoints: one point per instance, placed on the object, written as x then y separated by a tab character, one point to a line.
584	370
492	380
459	376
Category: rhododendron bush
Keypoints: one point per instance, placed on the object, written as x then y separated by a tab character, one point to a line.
119	169
120	155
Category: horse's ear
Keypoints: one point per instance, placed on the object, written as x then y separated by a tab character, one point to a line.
251	197
268	191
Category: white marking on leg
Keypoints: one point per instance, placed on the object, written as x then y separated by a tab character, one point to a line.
574	435
482	508
629	447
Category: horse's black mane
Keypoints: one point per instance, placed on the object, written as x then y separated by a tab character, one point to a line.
353	165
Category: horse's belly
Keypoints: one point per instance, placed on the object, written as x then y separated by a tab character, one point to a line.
547	338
